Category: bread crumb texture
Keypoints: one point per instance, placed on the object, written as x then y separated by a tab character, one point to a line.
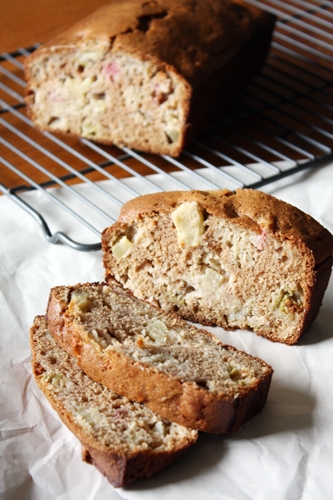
96	88
102	420
148	355
114	322
127	73
244	260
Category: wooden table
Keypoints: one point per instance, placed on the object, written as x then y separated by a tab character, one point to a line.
25	22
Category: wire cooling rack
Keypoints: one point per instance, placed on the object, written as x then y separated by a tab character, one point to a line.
282	123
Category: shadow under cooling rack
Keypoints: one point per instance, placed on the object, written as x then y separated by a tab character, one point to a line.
281	124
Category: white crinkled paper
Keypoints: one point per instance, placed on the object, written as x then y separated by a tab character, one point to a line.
284	453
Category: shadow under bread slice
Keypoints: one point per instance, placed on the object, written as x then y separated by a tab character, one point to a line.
123	439
182	373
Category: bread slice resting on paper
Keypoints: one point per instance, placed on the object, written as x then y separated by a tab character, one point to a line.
125	440
156	358
237	260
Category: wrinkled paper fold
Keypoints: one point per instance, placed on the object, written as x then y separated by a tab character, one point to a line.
284	453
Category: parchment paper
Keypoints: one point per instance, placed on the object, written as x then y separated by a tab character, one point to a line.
284	453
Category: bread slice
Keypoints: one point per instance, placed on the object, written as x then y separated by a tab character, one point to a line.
182	373
238	260
147	74
123	439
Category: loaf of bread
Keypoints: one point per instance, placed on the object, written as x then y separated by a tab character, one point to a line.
147	74
238	260
123	439
147	355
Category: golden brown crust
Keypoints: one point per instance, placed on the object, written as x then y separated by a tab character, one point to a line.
121	471
183	402
247	208
208	34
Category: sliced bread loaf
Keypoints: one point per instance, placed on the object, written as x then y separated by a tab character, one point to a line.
147	74
124	440
184	374
237	260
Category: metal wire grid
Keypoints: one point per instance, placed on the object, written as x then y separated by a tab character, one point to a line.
281	124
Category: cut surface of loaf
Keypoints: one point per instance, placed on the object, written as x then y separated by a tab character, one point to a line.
148	75
123	439
245	260
182	373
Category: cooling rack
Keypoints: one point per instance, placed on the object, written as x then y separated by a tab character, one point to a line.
281	124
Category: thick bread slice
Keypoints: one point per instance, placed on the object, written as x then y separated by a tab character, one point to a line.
124	440
147	74
183	373
237	260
